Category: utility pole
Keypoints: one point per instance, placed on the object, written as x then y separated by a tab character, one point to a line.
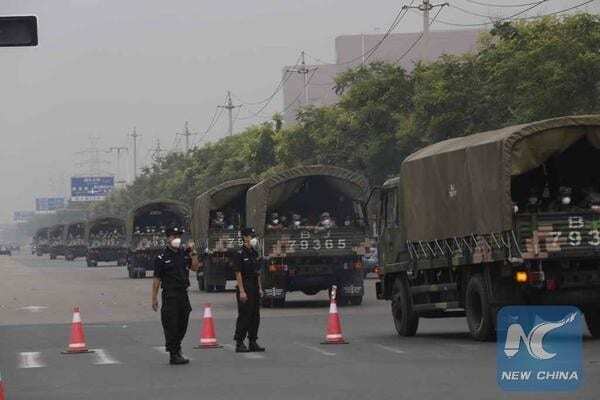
135	135
187	133
304	70
229	106
118	150
157	151
425	8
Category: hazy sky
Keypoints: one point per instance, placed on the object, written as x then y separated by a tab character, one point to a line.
104	66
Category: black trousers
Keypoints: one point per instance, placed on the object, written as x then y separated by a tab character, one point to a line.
248	318
174	314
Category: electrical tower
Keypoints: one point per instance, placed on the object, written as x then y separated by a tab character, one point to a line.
304	70
157	151
118	150
425	8
187	133
135	135
229	106
93	164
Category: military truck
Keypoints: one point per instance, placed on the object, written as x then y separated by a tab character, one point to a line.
146	227
505	217
75	244
106	241
217	217
56	241
41	242
324	238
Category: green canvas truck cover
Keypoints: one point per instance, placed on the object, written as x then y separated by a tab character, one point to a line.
214	199
276	188
172	206
462	186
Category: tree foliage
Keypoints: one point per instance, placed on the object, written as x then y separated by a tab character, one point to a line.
521	72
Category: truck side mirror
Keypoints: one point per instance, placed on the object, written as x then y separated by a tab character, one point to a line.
18	31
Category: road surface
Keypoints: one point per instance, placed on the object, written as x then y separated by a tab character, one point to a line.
36	300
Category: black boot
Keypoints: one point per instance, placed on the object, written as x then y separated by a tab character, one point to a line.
178	359
255	347
240	347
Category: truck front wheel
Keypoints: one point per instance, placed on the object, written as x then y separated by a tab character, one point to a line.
480	317
405	319
592	318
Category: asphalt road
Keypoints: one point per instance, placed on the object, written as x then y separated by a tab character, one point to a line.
37	294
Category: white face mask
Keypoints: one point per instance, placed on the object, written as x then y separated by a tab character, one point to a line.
176	243
254	242
275	221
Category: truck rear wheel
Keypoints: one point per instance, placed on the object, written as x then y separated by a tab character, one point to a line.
592	319
478	309
405	319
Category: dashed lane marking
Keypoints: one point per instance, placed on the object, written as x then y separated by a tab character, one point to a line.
31	359
33	309
101	357
391	349
318	350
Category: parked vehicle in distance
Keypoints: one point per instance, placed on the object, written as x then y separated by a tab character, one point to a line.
5	250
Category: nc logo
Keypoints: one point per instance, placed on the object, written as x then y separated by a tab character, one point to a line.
534	342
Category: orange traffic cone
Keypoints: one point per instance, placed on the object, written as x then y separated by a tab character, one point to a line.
334	327
1	388
208	338
77	342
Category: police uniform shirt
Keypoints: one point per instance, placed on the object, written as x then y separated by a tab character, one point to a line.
172	268
247	263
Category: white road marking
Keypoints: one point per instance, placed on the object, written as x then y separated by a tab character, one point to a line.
31	359
250	356
318	350
391	349
34	309
103	358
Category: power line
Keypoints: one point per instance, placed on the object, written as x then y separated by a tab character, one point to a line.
433	20
507	18
282	82
135	135
469	12
300	94
500	5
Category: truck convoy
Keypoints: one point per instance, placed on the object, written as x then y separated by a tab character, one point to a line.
146	232
313	226
217	217
75	245
106	241
505	217
56	239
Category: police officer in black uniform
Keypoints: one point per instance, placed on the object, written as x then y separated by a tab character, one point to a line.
248	293
171	271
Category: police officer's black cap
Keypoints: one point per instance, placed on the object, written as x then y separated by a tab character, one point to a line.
173	230
248	232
